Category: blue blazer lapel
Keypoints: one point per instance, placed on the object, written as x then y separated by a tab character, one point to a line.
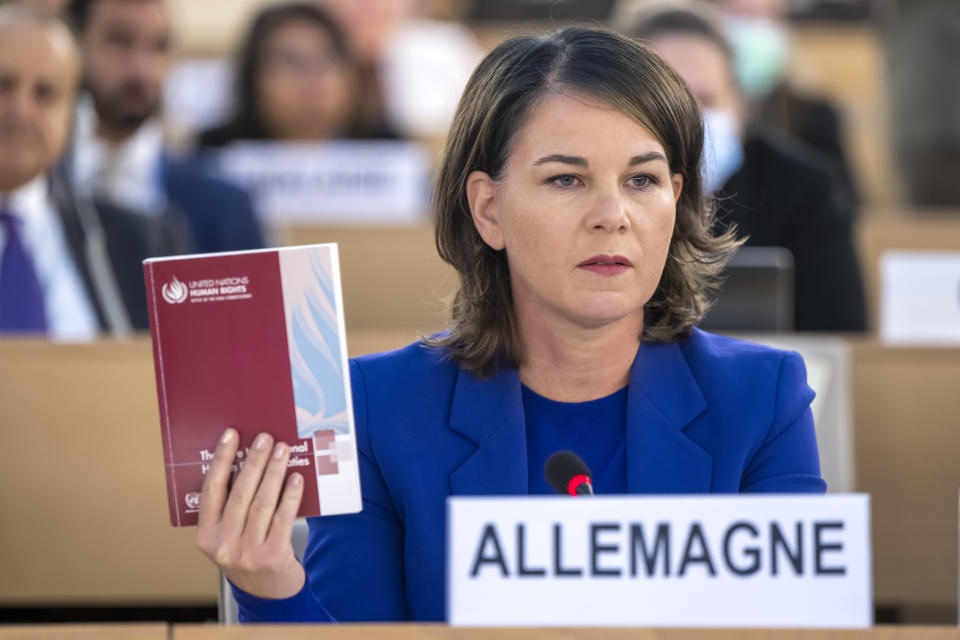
489	413
662	399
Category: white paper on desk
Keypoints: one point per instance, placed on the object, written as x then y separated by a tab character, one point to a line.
920	297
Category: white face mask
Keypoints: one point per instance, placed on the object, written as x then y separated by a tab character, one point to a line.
722	149
761	49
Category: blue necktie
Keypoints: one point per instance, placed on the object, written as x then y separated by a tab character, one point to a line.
21	298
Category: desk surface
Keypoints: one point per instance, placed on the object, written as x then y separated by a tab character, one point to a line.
151	631
438	632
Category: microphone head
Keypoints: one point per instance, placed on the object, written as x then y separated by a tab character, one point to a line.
565	471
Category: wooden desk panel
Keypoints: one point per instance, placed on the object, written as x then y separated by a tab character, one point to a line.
158	631
440	632
84	507
82	524
907	443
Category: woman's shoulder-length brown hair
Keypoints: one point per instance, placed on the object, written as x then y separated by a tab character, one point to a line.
483	333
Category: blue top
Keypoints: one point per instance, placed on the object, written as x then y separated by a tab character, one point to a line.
594	430
705	414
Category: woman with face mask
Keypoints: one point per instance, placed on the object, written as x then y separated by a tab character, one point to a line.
758	35
774	192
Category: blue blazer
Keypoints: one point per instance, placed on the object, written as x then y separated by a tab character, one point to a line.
705	414
218	213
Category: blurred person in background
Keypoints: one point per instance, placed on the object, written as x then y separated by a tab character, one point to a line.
53	7
412	62
922	40
366	25
69	267
119	151
775	192
759	35
295	82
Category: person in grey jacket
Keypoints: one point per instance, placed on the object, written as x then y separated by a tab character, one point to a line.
70	267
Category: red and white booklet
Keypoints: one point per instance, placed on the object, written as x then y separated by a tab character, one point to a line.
254	340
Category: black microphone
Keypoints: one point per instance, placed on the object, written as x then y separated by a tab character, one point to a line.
568	474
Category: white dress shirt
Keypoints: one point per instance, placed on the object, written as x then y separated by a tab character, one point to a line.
126	174
70	313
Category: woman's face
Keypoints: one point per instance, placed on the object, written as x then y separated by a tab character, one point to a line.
585	211
303	88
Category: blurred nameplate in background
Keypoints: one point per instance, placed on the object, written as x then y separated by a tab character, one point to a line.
920	298
356	182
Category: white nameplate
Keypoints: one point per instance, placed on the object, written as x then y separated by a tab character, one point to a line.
920	297
342	182
665	561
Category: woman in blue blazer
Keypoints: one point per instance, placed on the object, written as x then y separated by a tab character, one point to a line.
569	201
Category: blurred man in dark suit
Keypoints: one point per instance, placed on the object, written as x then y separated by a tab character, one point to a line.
69	267
774	190
758	32
922	50
119	146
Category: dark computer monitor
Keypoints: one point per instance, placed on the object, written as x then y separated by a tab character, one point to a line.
757	293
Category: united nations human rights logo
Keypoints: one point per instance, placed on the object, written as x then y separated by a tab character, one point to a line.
192	499
174	292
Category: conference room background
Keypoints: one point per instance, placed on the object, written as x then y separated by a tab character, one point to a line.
864	90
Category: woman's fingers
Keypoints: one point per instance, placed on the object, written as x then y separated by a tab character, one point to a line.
245	486
214	490
281	528
247	532
264	503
